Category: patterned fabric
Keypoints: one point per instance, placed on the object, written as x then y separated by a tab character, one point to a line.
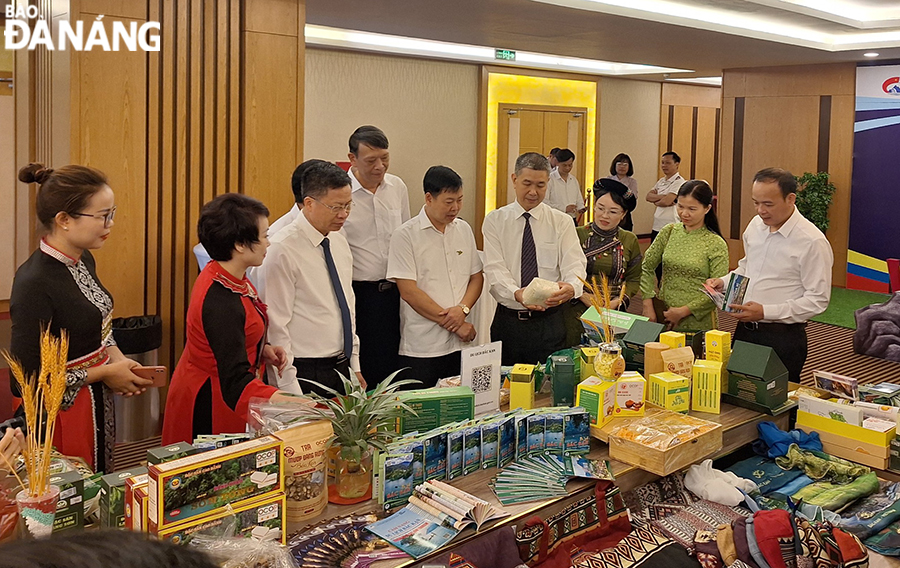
868	516
706	550
457	561
644	547
833	497
818	465
659	499
682	526
886	542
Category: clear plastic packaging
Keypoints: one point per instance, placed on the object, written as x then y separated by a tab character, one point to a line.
537	292
663	430
230	551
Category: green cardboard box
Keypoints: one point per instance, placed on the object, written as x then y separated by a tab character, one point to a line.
894	455
171	452
435	408
757	375
562	369
70	507
112	497
641	333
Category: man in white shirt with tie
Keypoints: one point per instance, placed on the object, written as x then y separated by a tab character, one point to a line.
381	205
308	272
435	263
563	191
524	240
789	262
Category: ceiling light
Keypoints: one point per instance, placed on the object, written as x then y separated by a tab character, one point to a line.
711	81
367	41
870	54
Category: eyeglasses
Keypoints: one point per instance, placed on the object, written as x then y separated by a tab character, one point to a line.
622	164
335	208
600	211
107	217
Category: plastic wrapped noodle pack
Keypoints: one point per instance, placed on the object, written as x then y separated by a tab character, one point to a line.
231	551
538	291
663	430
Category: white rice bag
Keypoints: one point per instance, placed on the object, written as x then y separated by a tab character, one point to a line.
537	292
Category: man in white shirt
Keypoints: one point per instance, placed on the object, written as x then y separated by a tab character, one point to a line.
434	261
524	240
663	196
381	205
563	191
308	273
788	261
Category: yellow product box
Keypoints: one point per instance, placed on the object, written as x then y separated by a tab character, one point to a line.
707	387
679	360
261	519
673	339
718	346
521	386
631	394
598	397
670	391
809	421
588	354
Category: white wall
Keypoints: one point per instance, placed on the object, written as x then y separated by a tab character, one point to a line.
428	109
629	123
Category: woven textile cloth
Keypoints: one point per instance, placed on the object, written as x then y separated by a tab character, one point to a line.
702	515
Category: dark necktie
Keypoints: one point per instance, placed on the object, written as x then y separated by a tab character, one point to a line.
341	299
529	254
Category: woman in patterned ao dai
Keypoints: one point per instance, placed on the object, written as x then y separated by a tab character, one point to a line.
58	287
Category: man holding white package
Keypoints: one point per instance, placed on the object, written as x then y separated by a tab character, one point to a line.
523	241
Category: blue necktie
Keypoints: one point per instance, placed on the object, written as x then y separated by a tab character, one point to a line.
341	299
529	254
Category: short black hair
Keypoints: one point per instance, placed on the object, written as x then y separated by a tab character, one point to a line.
785	179
441	178
675	157
320	178
368	135
617	196
90	549
227	221
297	178
621	158
565	155
554	151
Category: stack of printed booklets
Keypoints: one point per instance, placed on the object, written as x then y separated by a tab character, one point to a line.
733	293
544	476
436	513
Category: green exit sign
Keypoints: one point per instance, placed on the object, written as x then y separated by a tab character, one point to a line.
505	54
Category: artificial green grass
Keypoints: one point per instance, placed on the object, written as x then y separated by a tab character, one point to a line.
844	303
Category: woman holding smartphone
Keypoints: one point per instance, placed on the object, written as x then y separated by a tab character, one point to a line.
57	287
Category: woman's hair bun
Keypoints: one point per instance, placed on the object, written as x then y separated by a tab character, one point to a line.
34	173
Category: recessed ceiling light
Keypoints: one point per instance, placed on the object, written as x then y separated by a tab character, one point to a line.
870	54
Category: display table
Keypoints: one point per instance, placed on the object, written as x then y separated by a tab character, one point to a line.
739	429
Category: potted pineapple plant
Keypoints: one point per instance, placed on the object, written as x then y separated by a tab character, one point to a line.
362	422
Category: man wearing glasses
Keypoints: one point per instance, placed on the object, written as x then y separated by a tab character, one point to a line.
381	202
308	272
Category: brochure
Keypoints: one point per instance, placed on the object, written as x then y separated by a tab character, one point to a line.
541	477
735	290
838	385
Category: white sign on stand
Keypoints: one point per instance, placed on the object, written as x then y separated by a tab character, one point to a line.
481	372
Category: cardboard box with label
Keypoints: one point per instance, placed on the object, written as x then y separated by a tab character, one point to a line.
673	339
670	391
521	387
757	379
706	392
598	397
641	333
679	360
631	395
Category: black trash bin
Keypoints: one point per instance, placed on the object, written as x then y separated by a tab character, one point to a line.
138	417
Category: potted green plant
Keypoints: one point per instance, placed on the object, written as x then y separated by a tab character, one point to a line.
814	196
361	421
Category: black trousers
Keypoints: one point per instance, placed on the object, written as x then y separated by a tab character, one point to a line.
324	371
528	337
787	340
378	328
653	235
430	370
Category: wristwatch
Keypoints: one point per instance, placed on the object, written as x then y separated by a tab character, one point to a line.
464	308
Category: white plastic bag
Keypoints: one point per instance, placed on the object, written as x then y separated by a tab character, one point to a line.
538	291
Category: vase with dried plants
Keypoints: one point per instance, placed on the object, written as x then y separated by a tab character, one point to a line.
42	395
609	363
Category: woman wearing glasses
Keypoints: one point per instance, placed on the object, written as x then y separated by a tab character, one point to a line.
610	250
58	287
622	169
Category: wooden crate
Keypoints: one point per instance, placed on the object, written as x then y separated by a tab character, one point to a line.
672	459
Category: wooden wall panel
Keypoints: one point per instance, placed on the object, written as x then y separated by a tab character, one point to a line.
840	167
705	142
689	126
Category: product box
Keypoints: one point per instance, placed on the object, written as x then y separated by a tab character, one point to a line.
670	391
878	424
190	487
521	387
131	484
168	453
851	449
756	377
587	354
641	333
894	454
139	522
70	507
718	346
673	339
112	497
706	394
598	397
679	360
435	408
562	369
872	410
841	412
631	391
808	421
261	519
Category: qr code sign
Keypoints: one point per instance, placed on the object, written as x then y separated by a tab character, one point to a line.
481	378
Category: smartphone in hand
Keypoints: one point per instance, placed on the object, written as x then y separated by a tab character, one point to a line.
159	375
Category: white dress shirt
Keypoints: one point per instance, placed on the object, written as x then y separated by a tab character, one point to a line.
789	270
562	193
374	219
304	316
254	274
441	265
559	254
665	215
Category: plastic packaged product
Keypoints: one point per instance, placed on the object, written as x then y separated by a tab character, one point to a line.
537	292
663	430
609	363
